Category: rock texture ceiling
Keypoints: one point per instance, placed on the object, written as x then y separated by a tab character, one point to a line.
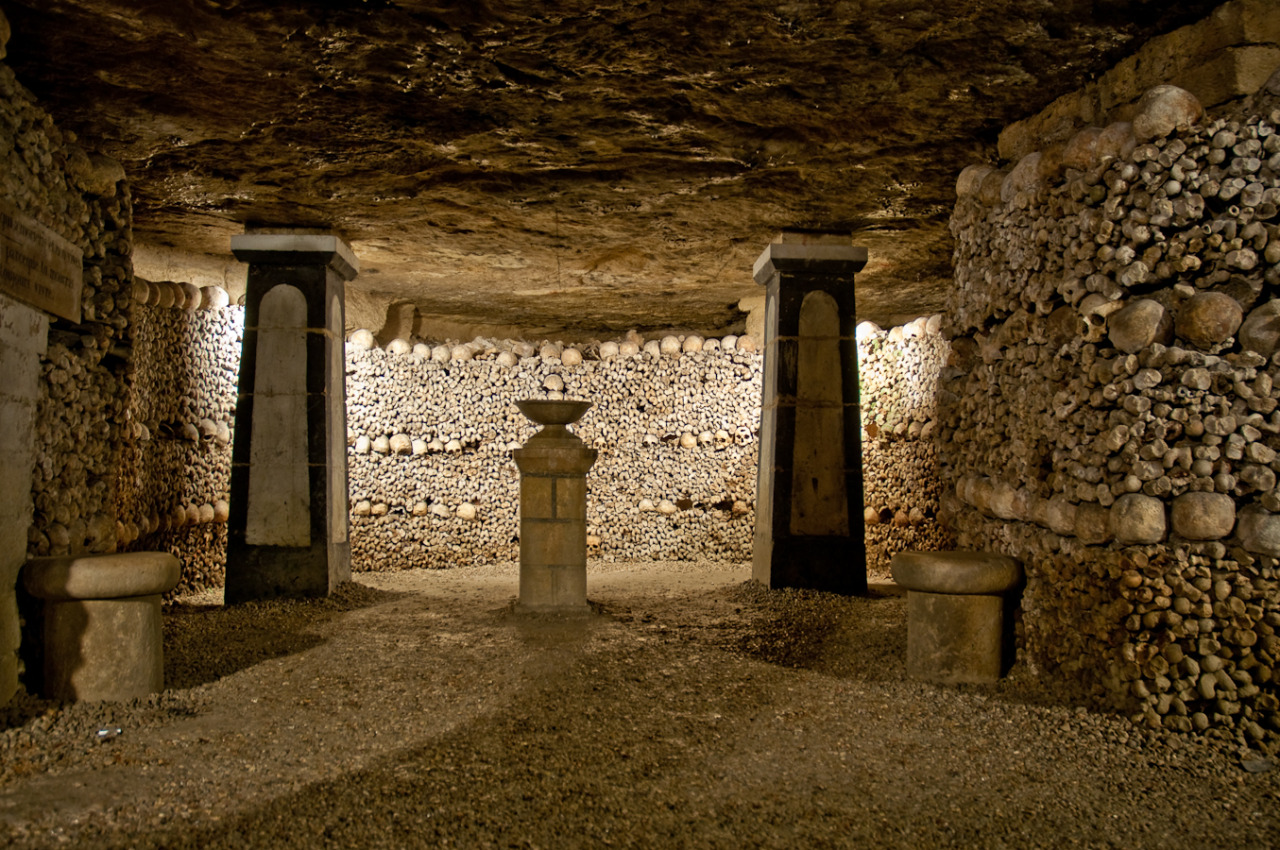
569	166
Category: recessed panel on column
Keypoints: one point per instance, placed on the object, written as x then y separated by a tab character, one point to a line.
338	517
819	501
279	505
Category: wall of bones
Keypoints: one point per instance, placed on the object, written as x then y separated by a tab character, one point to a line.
1109	416
431	429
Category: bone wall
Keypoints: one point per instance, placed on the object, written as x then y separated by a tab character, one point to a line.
186	357
1109	413
431	428
898	376
433	483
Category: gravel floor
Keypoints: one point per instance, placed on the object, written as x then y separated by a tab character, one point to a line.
692	709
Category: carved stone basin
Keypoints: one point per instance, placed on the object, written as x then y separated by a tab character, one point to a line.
553	411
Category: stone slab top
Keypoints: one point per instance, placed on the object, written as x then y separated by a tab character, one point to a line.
117	576
956	572
296	248
817	259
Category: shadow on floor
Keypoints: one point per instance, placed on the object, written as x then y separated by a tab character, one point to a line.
205	642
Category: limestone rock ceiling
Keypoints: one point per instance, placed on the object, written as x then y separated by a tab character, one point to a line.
572	165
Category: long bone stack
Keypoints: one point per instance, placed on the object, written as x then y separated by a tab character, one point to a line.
1109	415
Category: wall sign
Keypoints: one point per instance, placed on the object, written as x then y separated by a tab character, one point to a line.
38	266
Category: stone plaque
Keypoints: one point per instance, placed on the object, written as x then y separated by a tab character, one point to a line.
37	266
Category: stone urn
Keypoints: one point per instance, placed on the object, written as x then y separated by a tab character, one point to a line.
554	415
553	509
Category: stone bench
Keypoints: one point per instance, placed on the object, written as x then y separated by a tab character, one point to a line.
102	632
955	613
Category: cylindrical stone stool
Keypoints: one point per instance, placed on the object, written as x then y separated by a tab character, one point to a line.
955	613
102	630
553	509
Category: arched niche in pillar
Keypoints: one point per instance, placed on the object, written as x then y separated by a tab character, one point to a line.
819	501
279	510
338	515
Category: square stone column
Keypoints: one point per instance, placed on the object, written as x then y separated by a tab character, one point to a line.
24	333
809	513
287	531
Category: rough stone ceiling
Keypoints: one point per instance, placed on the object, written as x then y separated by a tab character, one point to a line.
566	166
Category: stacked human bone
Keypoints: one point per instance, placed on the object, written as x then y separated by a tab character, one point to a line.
1109	416
431	427
898	376
78	443
186	356
431	431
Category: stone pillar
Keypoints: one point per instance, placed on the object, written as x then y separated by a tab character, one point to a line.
287	531
24	333
809	513
553	509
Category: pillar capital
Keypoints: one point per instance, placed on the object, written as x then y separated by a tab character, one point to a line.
296	249
826	257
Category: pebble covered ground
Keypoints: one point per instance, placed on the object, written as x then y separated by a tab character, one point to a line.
693	708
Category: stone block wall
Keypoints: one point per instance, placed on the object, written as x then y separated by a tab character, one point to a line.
1109	412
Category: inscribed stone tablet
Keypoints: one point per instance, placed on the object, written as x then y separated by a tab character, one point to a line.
38	266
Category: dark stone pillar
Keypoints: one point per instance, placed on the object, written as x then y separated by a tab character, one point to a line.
287	532
809	523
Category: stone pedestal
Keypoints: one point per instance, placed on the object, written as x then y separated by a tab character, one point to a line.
287	531
102	636
809	518
955	614
553	509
